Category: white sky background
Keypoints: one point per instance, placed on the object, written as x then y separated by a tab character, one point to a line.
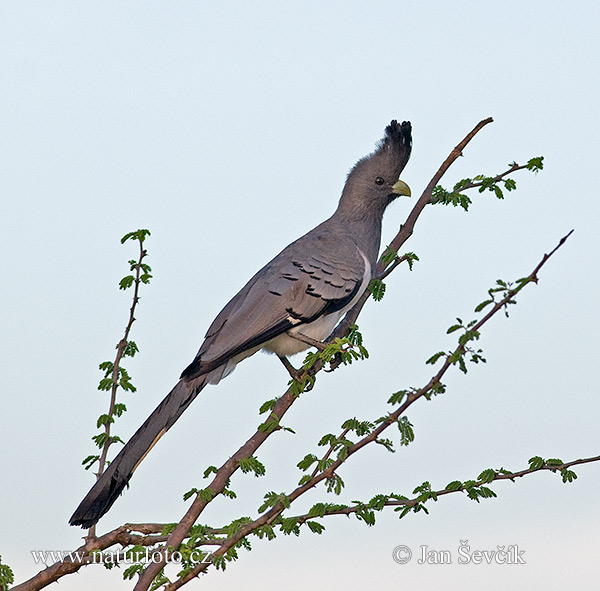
228	131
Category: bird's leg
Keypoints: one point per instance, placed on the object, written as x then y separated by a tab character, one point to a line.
308	340
295	374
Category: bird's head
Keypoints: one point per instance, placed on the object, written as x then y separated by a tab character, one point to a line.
374	180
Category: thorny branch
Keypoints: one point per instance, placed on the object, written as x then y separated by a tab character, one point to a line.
283	404
500	475
392	418
116	368
152	532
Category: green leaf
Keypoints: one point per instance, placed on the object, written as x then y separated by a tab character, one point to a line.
189	493
137	235
407	434
454	485
434	358
307	461
206	494
410	258
90	461
397	397
483	304
132	570
377	289
535	164
252	464
315	527
289	525
388	256
126	282
104	420
487	476
267	406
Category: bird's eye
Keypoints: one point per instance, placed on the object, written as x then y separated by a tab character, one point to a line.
379	180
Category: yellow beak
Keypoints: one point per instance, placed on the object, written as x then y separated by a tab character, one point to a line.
401	188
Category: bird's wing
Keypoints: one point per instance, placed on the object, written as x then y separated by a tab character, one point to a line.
318	274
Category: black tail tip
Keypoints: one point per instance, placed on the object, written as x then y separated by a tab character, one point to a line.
83	519
85	524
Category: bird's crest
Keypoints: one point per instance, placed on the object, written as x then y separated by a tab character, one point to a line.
392	151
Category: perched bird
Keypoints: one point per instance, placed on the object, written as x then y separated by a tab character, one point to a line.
305	290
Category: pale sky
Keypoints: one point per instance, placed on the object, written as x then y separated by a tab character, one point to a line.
227	130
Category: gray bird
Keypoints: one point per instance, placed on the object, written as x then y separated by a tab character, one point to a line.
306	289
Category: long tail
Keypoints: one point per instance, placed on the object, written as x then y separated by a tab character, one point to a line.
112	482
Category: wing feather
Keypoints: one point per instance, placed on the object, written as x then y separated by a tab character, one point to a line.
304	282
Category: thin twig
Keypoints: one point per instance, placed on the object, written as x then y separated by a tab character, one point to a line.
116	370
504	475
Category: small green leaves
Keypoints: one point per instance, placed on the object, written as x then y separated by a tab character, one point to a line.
206	494
454	485
433	359
342	350
307	461
410	258
322	509
304	384
407	435
483	304
90	461
6	576
487	476
130	349
126	282
289	525
388	256
535	164
315	527
568	475
334	484
553	464
454	198
190	493
267	406
397	397
476	492
252	464
139	235
377	289
270	425
496	184
272	498
536	463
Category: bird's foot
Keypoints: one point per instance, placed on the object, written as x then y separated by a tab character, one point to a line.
298	375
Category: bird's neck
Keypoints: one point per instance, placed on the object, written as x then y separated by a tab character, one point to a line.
364	227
